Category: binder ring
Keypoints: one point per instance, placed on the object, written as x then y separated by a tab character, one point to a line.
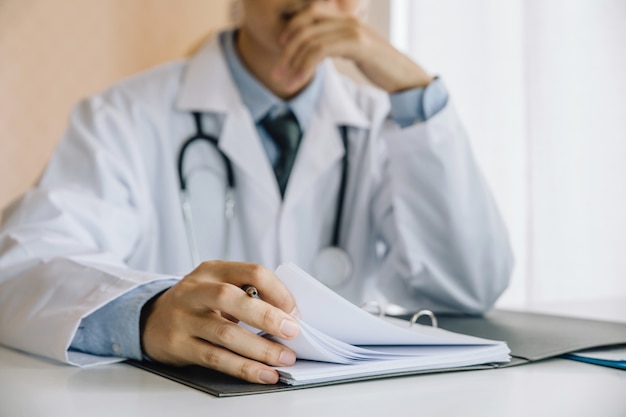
373	304
430	314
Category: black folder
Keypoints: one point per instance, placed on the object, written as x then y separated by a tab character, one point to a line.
530	336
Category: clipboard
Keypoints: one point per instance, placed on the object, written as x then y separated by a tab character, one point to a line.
530	336
533	336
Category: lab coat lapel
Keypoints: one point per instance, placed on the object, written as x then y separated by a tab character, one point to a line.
208	86
240	142
322	145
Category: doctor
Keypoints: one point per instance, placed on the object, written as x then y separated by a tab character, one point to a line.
91	259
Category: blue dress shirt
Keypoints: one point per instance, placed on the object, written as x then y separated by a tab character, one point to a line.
113	330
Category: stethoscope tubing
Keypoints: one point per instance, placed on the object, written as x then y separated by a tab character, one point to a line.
342	189
229	209
201	135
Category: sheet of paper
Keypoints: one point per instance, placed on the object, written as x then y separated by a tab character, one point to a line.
430	357
331	326
331	314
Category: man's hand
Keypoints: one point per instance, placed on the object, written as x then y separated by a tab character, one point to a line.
320	31
195	322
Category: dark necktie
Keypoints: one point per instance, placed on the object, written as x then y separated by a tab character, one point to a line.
285	131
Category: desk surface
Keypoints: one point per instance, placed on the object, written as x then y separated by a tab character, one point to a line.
31	386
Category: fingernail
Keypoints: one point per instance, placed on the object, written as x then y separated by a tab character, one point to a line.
287	358
289	328
269	377
295	313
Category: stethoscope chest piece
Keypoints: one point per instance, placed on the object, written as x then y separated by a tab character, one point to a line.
332	266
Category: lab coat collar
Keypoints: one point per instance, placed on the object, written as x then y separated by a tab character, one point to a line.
208	86
322	145
339	101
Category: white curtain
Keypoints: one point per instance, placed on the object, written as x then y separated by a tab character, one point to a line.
541	87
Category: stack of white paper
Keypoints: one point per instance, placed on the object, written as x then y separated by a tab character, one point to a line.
338	340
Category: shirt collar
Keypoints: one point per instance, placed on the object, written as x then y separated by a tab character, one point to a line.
259	99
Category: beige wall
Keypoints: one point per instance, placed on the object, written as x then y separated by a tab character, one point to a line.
53	52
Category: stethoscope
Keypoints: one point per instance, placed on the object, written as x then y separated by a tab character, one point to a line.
332	265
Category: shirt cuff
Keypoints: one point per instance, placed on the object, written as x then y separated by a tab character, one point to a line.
113	330
418	104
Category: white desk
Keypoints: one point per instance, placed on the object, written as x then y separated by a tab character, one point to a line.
34	387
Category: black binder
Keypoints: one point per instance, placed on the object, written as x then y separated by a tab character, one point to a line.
531	337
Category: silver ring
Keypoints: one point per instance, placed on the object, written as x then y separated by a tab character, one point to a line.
430	314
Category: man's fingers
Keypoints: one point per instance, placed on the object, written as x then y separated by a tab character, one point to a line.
222	360
232	302
213	288
270	288
239	340
264	316
314	13
195	322
311	44
310	53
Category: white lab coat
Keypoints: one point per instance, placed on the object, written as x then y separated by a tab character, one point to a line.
106	216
